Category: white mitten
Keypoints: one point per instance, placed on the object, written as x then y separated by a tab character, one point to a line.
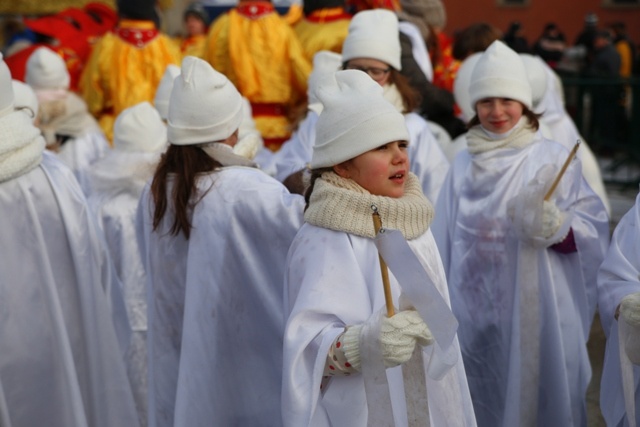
248	145
630	313
551	219
398	337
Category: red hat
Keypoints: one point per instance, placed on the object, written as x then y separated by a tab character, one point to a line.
81	19
53	26
106	16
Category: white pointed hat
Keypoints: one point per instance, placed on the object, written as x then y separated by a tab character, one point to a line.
139	129
163	92
46	70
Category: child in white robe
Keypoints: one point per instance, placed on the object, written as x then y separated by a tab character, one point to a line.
619	308
214	234
521	269
337	341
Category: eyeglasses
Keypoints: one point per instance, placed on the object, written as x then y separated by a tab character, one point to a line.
374	72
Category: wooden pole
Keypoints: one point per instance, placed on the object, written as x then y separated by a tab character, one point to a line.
377	224
572	154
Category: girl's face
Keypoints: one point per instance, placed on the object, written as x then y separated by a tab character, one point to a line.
382	171
498	115
377	70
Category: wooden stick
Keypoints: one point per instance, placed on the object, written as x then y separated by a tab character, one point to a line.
377	224
572	154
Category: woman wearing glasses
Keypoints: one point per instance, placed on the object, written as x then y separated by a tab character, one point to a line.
373	46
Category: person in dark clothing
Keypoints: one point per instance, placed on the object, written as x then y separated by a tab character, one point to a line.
551	45
607	111
514	38
587	36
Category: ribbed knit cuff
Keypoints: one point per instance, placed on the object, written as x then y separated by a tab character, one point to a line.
351	345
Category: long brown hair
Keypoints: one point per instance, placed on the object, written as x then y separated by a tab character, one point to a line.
315	174
534	118
184	163
411	98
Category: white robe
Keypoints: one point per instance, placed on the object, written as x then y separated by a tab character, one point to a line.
115	183
216	318
82	152
480	254
619	275
333	280
61	363
562	129
427	161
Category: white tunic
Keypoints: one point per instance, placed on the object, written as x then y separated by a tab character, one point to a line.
216	317
481	256
60	364
619	275
115	183
333	280
427	161
82	152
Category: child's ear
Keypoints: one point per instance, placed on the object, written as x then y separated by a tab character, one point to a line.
342	169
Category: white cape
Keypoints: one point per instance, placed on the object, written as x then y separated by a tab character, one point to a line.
216	317
115	183
82	152
480	254
333	280
619	276
61	364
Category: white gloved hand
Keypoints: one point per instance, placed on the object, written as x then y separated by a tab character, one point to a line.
398	337
630	313
400	334
551	219
248	145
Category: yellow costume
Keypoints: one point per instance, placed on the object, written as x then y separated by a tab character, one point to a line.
259	52
323	29
192	46
125	69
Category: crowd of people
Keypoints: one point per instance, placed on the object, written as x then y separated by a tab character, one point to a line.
341	219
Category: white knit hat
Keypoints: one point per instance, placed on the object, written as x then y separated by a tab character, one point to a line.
373	34
356	118
46	70
6	89
25	97
139	129
500	73
163	92
461	86
204	105
324	62
537	75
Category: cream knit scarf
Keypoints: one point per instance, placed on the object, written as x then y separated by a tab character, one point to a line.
479	141
342	205
21	145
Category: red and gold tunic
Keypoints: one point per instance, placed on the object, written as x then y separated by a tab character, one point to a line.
125	69
259	52
323	29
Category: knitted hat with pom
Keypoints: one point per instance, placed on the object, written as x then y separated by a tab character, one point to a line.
204	105
356	118
46	70
139	129
373	34
500	73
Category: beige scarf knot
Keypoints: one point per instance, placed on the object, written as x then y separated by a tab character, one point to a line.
479	141
341	204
